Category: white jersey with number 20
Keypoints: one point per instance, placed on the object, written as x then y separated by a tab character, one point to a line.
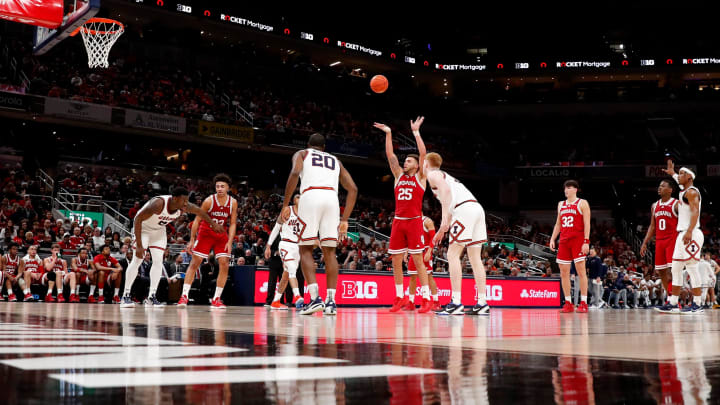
321	170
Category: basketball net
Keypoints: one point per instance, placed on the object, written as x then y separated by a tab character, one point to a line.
99	35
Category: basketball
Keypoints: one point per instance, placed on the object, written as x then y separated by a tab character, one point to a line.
379	84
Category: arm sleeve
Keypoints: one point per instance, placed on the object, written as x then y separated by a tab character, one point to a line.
274	233
432	237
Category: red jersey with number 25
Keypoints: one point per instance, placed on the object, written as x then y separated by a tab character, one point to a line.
219	213
665	219
409	195
571	220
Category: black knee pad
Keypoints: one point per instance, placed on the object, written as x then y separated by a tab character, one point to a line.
51	276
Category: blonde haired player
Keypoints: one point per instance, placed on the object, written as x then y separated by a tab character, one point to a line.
464	218
689	242
319	215
573	226
289	232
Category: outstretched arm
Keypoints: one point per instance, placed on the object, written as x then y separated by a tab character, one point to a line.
422	151
389	150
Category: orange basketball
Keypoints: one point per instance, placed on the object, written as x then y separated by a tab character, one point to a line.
379	84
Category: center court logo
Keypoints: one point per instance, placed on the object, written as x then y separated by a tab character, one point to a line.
538	294
360	289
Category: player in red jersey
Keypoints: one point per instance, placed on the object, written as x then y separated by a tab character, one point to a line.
406	235
663	225
428	235
222	208
9	266
107	269
573	226
31	271
80	267
55	269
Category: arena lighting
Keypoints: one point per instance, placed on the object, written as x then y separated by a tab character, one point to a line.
246	22
669	62
184	9
335	63
624	63
543	64
647	62
500	66
160	3
409	59
286	31
701	61
326	40
392	56
583	64
207	13
522	65
306	36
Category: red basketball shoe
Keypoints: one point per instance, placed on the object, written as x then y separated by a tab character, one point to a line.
74	298
217	304
60	298
49	298
182	303
582	308
568	308
399	303
426	306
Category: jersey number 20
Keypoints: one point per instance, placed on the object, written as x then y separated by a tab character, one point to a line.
327	162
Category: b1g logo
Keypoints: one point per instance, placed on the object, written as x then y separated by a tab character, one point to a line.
360	289
492	293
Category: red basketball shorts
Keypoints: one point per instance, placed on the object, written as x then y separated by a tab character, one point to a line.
406	236
208	240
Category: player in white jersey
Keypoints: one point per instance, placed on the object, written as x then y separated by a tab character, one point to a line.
289	232
464	218
149	233
689	242
318	213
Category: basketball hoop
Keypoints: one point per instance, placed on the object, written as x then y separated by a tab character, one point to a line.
99	35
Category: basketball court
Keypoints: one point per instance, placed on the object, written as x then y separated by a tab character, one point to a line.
99	354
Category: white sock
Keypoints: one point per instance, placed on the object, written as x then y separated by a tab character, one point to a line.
583	298
131	274
456	297
313	289
60	290
481	298
117	292
425	292
77	290
703	295
277	297
673	300
186	289
49	291
399	290
218	292
100	292
26	291
435	298
331	294
698	300
568	299
92	290
296	291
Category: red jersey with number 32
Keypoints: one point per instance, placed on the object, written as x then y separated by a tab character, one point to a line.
409	195
219	213
571	220
665	219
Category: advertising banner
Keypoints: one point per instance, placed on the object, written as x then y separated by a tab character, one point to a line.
79	216
657	170
159	122
13	101
379	290
713	170
78	110
232	132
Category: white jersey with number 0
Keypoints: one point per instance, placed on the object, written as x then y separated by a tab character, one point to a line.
459	192
321	170
159	221
684	211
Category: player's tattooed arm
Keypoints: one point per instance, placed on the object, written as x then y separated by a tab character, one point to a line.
389	150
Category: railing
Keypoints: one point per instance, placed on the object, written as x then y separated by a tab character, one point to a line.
125	223
371	233
240	113
635	241
48	181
